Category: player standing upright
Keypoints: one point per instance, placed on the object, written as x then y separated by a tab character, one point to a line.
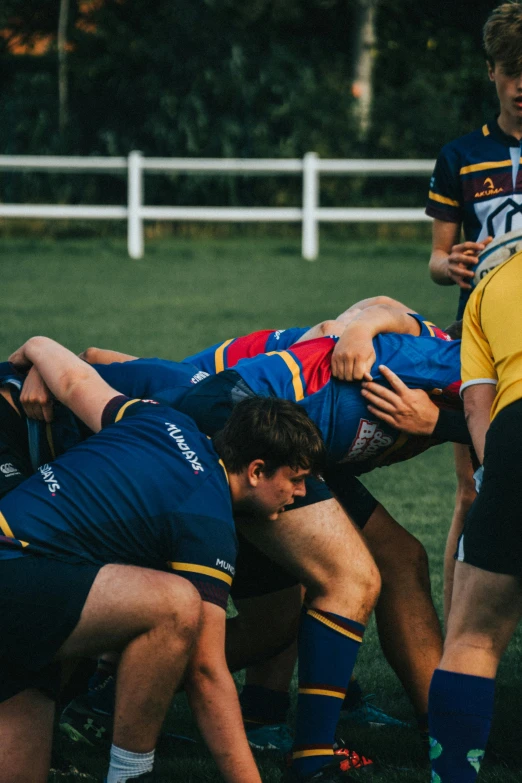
476	188
487	593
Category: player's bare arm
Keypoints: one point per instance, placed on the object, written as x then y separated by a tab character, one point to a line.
450	259
69	379
213	699
93	355
478	400
337	325
408	410
354	355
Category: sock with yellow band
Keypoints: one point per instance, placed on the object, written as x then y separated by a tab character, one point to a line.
328	647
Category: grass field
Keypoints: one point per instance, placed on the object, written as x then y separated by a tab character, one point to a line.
188	294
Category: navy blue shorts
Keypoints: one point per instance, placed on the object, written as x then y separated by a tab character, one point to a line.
42	600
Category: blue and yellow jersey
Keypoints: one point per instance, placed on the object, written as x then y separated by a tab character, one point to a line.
477	183
303	374
147	490
223	356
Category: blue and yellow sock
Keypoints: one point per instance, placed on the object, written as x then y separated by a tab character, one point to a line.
328	646
460	712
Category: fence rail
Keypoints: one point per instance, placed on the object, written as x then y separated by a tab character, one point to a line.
310	214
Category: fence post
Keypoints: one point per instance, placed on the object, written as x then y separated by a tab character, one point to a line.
310	236
135	200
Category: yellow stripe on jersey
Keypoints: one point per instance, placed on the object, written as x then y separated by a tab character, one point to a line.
199	569
50	441
123	408
224	468
428	325
219	356
6	530
443	199
485	130
295	371
302	754
322	692
497	164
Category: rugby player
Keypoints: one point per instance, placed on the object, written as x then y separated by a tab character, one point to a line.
127	542
487	594
476	188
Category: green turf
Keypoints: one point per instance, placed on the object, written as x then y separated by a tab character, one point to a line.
186	295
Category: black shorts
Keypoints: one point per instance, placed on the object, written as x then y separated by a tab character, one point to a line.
492	537
42	600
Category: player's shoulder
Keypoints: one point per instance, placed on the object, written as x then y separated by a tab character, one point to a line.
464	145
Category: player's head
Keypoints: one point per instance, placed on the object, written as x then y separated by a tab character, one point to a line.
503	38
268	447
455	330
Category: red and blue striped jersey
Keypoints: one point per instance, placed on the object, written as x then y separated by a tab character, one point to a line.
225	355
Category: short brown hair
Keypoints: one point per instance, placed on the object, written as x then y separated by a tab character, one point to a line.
503	37
277	431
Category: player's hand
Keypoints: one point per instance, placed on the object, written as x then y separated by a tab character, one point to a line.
353	356
36	398
461	258
408	410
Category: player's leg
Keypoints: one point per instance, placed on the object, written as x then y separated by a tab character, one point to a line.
265	630
26	730
486	609
153	619
464	497
322	548
408	626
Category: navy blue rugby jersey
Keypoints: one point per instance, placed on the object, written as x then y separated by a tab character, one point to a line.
147	490
477	183
158	379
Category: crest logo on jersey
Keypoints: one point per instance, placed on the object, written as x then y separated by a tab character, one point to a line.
369	440
8	469
49	478
191	456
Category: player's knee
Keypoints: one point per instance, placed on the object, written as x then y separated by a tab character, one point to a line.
178	609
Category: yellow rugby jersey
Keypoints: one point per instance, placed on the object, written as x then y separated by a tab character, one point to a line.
492	334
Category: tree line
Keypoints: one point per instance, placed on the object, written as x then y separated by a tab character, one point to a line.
242	78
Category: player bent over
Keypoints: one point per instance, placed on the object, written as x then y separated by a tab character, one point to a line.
127	542
487	595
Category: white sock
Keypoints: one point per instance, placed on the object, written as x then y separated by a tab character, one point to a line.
124	764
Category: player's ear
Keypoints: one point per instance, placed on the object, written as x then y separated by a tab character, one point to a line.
491	70
255	470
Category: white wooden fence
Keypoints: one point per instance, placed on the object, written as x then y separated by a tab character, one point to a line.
310	214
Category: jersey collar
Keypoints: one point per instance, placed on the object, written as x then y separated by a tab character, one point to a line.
498	134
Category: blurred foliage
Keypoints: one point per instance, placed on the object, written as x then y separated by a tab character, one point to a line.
236	78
